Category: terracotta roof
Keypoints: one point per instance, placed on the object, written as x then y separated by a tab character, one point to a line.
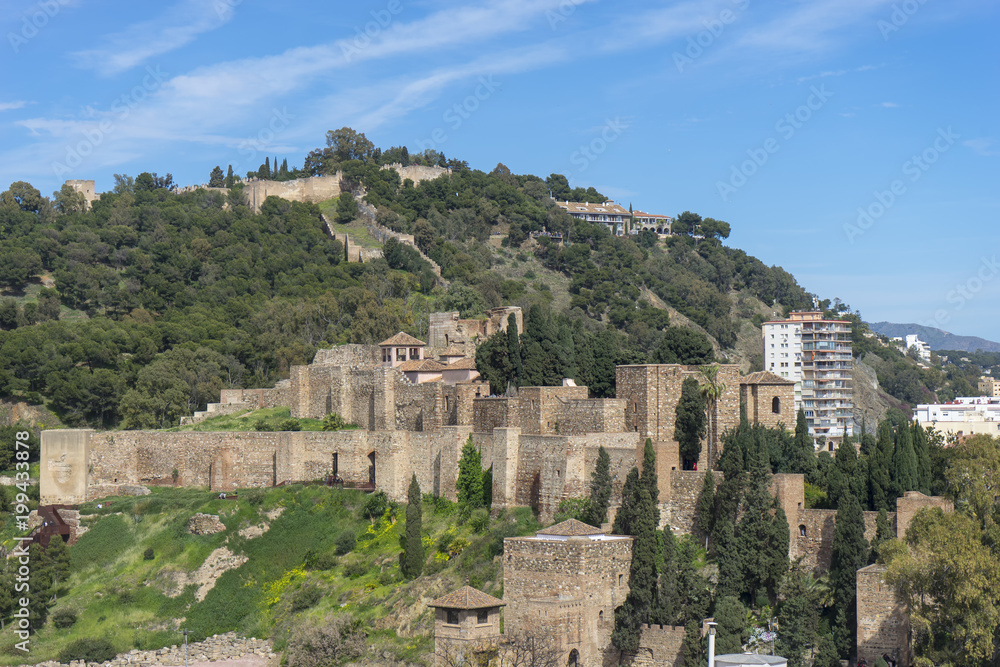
462	364
424	365
453	351
467	597
643	214
571	528
764	377
402	339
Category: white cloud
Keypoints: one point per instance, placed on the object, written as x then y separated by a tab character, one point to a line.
10	106
887	105
983	145
139	42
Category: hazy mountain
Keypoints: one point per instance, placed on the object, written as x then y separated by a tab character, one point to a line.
936	338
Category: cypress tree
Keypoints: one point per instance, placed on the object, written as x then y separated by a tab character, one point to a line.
883	533
904	463
230	179
728	557
805	451
730	491
636	608
267	167
827	655
693	652
689	424
284	167
649	477
665	611
731	616
470	477
625	518
850	552
514	352
778	549
922	451
600	489
797	618
879	480
706	506
755	530
488	487
412	558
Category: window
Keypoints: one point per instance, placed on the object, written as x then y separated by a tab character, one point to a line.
483	616
776	405
452	617
802	531
620	579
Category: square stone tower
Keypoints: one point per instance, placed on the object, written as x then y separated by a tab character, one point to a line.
466	623
564	584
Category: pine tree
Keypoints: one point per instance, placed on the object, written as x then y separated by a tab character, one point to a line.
216	179
827	655
850	552
689	425
706	506
470	477
904	463
514	352
600	489
922	451
412	559
230	178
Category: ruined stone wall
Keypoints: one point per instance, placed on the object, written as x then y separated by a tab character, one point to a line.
911	503
279	395
348	355
590	415
491	413
465	395
680	510
311	189
571	586
883	626
416	172
816	546
660	646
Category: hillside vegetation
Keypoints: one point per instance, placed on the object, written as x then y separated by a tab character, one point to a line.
303	557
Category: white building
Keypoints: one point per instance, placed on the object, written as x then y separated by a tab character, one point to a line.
923	349
964	416
815	354
609	214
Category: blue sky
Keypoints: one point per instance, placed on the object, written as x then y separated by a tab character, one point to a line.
853	142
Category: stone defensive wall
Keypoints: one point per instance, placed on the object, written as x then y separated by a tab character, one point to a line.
660	646
883	625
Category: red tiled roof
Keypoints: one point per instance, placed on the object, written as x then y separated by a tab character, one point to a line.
423	365
467	597
462	364
764	377
571	528
402	339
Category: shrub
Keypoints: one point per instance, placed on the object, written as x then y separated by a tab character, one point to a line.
337	639
357	568
345	542
253	496
306	597
289	425
148	554
260	424
319	561
375	506
480	520
64	618
88	650
333	422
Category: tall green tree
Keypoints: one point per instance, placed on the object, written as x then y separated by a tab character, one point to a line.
797	617
879	476
711	390
649	477
470	477
850	553
216	179
921	449
706	506
731	632
802	458
600	489
514	353
347	208
665	611
412	558
689	425
230	178
904	463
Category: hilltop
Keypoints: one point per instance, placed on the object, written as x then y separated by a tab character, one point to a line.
938	339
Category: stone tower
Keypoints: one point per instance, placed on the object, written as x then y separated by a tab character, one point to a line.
466	622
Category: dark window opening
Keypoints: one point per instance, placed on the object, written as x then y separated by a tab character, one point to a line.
483	616
452	617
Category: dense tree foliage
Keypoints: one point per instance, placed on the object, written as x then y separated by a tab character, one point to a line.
411	559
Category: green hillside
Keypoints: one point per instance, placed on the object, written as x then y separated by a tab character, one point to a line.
324	556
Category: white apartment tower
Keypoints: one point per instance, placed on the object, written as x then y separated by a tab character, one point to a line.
815	354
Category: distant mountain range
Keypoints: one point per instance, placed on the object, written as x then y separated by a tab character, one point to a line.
936	338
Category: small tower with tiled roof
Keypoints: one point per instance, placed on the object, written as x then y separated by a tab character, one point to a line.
401	348
466	622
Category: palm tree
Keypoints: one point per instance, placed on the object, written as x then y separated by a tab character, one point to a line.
712	391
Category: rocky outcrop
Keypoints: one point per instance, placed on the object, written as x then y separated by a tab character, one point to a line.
205	524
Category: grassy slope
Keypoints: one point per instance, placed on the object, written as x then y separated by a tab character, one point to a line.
118	594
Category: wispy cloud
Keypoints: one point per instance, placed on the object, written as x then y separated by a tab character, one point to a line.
811	26
175	28
985	146
887	105
837	72
10	106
